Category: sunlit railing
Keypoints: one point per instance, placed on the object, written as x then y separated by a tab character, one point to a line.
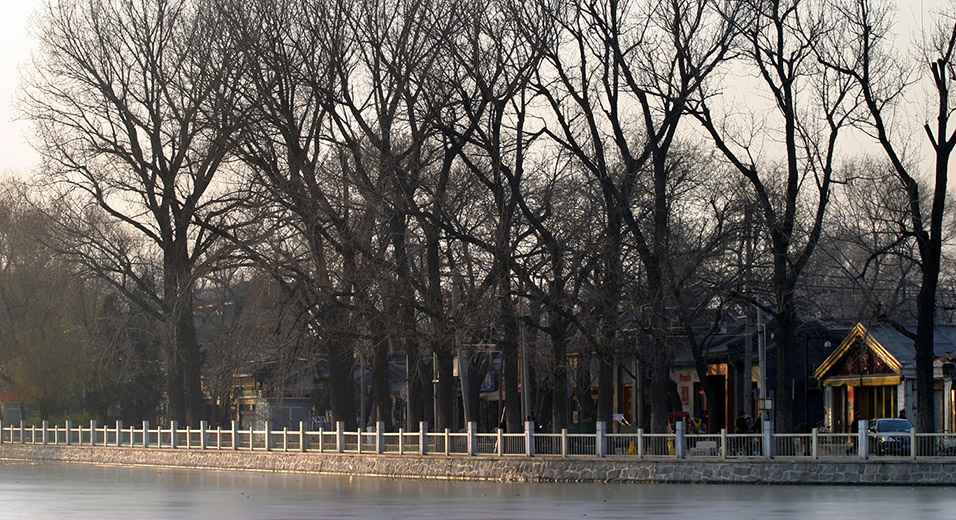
633	445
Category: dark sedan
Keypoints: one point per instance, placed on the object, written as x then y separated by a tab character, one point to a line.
890	436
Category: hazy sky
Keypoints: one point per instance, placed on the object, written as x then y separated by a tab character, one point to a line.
16	155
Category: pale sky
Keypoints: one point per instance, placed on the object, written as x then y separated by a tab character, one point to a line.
16	155
18	158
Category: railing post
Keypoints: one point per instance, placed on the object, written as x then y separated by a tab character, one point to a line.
470	443
189	437
379	437
815	443
172	434
863	436
359	444
401	441
640	443
768	439
680	440
723	443
501	442
145	434
423	438
1	432
321	439
203	426
92	432
447	441
302	437
339	436
45	426
564	442
600	448
119	432
268	428
285	438
529	438
913	450
68	426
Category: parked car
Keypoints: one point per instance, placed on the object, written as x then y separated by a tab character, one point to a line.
890	436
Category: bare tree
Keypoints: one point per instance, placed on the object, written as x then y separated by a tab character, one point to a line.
493	60
384	118
618	90
299	224
135	108
884	79
792	190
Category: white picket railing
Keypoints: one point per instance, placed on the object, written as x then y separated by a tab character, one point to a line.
637	445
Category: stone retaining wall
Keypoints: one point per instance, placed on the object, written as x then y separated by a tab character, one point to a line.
520	469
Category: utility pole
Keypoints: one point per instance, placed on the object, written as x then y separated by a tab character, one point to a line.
748	363
525	404
362	405
463	364
748	325
762	354
637	395
767	407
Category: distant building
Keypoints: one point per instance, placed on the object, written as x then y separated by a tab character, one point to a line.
728	377
872	374
10	407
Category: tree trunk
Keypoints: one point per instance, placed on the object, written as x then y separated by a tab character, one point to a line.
175	395
611	295
341	387
381	385
446	387
509	355
183	383
605	404
660	382
559	371
785	339
192	363
925	354
413	378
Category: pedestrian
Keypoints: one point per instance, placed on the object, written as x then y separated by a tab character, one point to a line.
740	424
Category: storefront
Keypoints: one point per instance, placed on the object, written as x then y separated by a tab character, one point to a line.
871	375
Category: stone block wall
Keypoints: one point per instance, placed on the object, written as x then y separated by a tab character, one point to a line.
509	469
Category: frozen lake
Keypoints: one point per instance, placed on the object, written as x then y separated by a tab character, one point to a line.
48	490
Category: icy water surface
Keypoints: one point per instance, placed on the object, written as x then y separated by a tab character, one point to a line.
48	490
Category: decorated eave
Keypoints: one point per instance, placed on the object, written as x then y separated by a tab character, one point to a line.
860	360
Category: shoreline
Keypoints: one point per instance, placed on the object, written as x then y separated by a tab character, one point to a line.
508	469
